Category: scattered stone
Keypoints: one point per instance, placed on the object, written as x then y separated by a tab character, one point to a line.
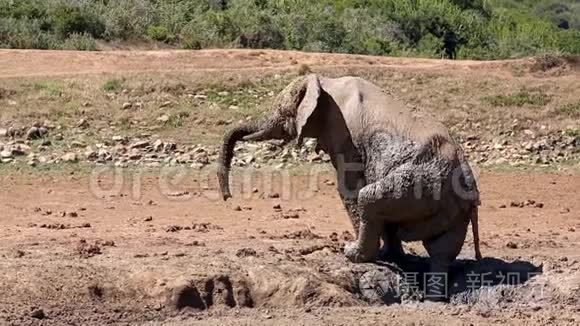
3	132
237	208
246	252
33	133
173	228
83	124
290	215
205	227
126	106
69	157
6	154
512	245
164	118
274	195
565	210
166	104
86	250
38	314
148	219
108	243
502	206
329	183
277	207
140	144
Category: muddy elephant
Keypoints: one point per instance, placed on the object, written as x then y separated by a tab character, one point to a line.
400	175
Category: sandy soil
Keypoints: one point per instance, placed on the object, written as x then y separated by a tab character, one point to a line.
80	250
27	63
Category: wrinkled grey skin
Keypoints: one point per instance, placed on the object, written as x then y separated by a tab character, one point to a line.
400	175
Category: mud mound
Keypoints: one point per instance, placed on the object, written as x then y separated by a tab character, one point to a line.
219	291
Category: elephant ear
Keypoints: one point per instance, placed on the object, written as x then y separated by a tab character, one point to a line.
307	106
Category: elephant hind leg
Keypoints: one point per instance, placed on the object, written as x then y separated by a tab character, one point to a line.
392	249
443	249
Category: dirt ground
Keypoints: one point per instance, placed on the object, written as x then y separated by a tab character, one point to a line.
84	252
149	248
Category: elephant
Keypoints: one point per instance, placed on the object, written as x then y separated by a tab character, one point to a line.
401	176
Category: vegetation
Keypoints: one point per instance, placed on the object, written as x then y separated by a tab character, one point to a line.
520	98
480	29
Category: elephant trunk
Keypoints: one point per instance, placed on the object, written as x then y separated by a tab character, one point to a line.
227	153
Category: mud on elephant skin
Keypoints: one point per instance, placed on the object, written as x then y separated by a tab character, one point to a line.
467	281
400	174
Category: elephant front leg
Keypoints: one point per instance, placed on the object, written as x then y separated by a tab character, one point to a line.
351	206
366	246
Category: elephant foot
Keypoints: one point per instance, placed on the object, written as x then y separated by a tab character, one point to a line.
389	255
355	254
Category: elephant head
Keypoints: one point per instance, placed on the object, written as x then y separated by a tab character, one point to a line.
288	120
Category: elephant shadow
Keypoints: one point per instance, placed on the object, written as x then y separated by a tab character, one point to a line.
466	275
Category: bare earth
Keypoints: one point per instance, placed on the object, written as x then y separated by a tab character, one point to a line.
76	250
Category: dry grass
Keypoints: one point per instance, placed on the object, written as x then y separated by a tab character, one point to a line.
199	106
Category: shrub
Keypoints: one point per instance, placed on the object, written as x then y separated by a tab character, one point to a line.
113	85
67	20
159	33
80	42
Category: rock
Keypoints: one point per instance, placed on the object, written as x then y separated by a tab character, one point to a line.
165	104
158	145
127	106
78	144
511	245
234	107
6	154
33	133
246	252
135	155
3	132
69	157
83	124
200	97
37	314
140	144
164	118
238	208
565	210
274	195
224	93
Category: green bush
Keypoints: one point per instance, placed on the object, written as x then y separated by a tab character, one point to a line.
479	29
69	19
113	85
79	42
159	33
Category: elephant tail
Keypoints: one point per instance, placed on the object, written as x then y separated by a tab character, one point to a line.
474	217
